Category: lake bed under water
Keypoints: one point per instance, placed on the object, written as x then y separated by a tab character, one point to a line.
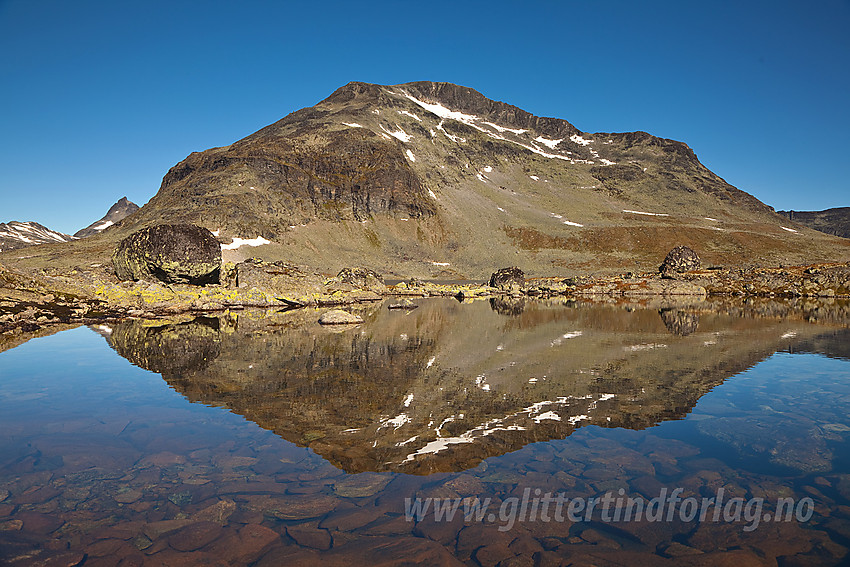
260	438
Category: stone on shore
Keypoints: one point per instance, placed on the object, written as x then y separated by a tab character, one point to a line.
507	278
362	278
171	253
679	259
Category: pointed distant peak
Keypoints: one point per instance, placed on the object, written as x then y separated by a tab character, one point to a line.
116	213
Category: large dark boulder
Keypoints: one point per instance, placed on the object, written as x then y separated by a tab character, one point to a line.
172	253
507	278
679	259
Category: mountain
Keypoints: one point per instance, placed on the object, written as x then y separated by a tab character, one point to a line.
435	180
15	234
831	221
117	212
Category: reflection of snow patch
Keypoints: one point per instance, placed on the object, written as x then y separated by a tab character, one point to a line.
648	346
395	422
789	334
548	415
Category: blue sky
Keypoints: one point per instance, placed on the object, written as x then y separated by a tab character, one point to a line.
101	98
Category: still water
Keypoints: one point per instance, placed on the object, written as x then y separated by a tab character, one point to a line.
261	438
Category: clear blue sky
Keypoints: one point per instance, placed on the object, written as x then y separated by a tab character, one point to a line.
101	98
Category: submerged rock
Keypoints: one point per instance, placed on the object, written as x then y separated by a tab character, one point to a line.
172	253
507	278
339	317
679	259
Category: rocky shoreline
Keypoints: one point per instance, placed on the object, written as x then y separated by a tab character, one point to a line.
29	302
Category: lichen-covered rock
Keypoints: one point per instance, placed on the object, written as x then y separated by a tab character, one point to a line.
172	253
339	317
679	259
362	278
507	278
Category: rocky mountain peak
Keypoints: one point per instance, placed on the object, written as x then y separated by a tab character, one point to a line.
116	213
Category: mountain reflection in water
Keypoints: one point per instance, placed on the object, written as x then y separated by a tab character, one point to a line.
442	387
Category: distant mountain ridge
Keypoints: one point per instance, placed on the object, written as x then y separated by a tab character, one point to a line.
117	212
16	234
830	221
436	180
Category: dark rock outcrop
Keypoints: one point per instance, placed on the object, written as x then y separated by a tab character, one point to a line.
679	259
362	278
172	253
507	278
830	221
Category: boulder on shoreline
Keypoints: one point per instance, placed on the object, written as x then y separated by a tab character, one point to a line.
507	279
679	259
171	253
362	278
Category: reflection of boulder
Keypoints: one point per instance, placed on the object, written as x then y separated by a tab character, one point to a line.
170	349
511	306
681	323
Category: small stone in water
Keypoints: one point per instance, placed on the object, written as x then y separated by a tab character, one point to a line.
339	317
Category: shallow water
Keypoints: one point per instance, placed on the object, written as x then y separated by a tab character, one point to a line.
263	438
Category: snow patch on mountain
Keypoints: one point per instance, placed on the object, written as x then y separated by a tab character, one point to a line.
238	242
547	142
399	134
